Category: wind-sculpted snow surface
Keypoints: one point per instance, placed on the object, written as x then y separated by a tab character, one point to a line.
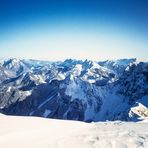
75	89
34	132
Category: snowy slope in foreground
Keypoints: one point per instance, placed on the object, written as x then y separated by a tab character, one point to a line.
33	132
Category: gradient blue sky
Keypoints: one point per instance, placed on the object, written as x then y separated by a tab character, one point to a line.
59	29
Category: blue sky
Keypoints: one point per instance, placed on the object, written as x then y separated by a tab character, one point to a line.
59	29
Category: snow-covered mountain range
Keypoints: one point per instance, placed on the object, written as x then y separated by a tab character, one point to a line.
75	89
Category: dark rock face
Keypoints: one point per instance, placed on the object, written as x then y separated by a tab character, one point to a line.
73	90
134	82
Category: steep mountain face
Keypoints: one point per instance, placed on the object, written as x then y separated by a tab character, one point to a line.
5	73
75	89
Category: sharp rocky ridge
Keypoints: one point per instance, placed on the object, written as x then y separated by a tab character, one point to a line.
75	89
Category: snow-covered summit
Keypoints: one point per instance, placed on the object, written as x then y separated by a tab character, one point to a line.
29	132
